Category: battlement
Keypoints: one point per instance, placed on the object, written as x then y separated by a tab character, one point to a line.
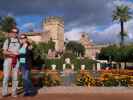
54	19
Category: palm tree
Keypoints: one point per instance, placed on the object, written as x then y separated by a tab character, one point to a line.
122	15
2	39
6	23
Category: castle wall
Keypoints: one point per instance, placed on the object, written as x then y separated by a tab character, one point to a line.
36	38
55	27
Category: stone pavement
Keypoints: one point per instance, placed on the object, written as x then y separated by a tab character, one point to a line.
84	90
79	93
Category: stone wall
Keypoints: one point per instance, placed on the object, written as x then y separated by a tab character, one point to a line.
55	27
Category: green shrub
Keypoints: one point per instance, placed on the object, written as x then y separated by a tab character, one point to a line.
87	62
68	54
77	63
111	82
57	62
124	81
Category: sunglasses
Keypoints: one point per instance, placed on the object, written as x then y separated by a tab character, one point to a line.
13	32
23	37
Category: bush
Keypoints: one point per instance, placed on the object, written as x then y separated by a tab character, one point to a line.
124	81
57	62
77	63
40	52
87	62
111	82
68	54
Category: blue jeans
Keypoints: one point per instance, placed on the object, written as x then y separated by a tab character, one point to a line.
27	84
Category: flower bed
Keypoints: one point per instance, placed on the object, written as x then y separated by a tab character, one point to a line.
85	79
47	78
51	78
109	79
121	72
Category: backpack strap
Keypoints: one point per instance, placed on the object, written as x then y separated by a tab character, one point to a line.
18	39
9	41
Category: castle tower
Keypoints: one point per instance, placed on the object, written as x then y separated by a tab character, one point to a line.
89	49
55	26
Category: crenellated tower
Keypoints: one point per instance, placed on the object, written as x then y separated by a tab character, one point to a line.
55	27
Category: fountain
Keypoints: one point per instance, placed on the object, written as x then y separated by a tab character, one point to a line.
68	72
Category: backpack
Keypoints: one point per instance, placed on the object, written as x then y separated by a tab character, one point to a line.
9	42
8	45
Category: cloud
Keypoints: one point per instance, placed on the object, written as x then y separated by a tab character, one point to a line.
79	15
27	26
111	33
123	2
75	33
84	12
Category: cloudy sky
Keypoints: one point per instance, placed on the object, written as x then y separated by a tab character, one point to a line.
91	16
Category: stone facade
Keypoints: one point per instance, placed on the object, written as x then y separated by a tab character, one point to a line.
90	49
53	29
34	36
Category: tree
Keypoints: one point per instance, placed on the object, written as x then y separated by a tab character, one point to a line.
68	54
76	48
40	51
2	39
122	15
7	23
51	44
118	54
108	53
0	22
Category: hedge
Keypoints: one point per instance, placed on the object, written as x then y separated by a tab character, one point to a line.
77	63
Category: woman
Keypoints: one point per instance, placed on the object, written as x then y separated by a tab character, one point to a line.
25	62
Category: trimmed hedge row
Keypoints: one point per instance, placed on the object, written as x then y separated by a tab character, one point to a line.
77	63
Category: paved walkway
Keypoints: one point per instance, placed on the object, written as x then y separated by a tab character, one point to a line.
80	93
75	97
84	90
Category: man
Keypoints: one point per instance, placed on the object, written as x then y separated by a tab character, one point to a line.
11	64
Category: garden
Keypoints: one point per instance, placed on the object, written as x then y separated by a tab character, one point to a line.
43	74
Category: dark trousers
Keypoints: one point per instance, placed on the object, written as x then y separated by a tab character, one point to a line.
27	84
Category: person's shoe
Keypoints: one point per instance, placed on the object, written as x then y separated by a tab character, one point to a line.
5	95
29	94
14	95
26	94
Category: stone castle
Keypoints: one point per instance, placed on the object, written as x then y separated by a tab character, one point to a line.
53	28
